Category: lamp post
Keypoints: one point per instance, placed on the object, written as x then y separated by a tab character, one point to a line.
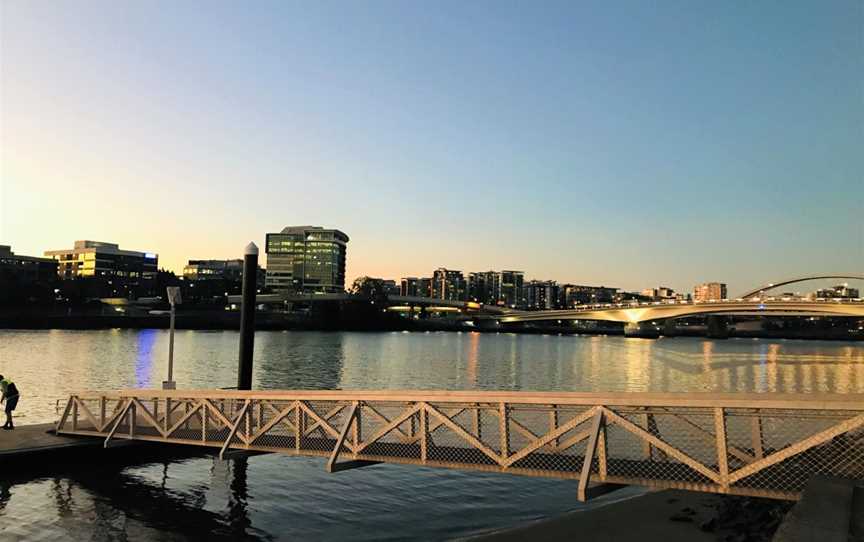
174	299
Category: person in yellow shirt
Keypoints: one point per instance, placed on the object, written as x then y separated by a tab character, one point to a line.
10	397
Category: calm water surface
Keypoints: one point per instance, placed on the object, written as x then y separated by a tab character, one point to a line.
284	498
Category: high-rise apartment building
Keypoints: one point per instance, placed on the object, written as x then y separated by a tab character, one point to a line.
507	286
709	291
481	287
448	284
541	294
306	259
408	286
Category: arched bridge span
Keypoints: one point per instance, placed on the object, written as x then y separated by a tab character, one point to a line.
646	313
772	285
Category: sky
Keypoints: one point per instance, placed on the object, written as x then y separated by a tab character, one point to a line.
632	144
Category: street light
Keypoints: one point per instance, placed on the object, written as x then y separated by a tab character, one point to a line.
173	299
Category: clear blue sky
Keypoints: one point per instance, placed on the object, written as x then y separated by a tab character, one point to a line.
623	143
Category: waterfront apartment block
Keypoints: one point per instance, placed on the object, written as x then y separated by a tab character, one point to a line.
572	295
416	287
507	286
95	259
26	269
709	291
541	294
481	287
448	284
306	259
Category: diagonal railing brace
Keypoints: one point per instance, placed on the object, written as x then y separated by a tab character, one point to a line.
234	428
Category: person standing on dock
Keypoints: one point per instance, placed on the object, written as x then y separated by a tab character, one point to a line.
10	397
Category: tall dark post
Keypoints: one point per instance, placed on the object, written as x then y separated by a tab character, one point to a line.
247	317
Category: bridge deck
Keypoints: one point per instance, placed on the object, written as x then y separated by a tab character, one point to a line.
764	445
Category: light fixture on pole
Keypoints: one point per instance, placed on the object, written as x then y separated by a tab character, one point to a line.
174	299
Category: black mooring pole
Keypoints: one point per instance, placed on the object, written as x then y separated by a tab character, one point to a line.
247	317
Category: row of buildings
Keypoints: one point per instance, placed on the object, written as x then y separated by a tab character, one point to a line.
506	288
510	289
301	258
312	260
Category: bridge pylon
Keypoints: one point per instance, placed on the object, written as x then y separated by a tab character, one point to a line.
642	330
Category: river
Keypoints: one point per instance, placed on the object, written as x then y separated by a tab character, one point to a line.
279	497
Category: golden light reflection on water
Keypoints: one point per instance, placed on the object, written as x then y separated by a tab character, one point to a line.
473	359
51	364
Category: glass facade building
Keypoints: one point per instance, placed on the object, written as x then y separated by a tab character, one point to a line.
306	259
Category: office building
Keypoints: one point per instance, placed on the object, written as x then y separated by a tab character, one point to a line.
709	291
213	270
95	259
448	284
306	259
26	269
841	291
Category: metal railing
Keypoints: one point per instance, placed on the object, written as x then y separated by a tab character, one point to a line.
746	444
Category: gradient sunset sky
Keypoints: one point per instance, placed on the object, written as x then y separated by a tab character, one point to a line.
621	143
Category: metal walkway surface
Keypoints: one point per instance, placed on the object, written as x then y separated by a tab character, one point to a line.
766	445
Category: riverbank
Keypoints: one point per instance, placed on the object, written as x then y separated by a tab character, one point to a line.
275	321
662	516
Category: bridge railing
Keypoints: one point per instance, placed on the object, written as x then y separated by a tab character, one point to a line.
756	444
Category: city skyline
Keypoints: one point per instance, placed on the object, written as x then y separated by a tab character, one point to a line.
815	285
630	146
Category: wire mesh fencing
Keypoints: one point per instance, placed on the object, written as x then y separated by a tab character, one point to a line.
764	448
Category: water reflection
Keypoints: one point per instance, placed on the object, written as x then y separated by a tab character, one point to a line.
129	499
271	496
51	364
144	359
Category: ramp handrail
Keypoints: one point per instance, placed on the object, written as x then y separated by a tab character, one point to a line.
748	444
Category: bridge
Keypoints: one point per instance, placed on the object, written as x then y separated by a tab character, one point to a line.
634	313
388	301
763	445
752	303
760	291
